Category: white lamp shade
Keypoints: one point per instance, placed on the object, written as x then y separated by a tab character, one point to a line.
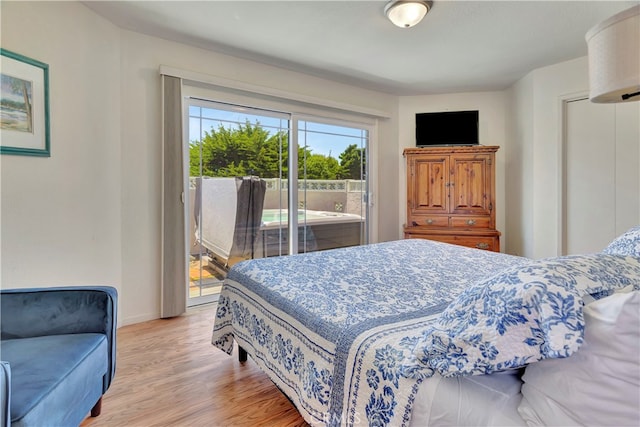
406	14
614	58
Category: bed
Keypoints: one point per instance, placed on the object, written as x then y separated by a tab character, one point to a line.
417	332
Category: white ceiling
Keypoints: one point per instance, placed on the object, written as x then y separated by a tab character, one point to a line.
460	46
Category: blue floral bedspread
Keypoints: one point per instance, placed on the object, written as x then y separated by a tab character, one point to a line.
336	330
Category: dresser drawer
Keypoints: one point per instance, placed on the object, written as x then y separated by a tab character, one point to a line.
486	243
488	240
470	221
428	221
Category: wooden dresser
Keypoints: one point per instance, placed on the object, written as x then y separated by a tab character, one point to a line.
451	195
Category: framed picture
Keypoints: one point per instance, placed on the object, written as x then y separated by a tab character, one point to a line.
24	105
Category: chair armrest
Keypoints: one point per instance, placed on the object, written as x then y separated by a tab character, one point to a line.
63	310
5	394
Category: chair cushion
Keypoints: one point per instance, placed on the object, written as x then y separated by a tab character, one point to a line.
5	393
56	379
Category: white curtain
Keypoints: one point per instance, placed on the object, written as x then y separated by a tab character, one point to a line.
174	268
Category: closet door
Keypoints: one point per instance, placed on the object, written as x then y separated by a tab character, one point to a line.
601	192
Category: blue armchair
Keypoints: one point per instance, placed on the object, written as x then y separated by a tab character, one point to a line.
58	353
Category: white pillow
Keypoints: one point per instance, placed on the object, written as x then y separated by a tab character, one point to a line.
600	383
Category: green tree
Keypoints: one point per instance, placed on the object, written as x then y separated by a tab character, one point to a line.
247	150
251	150
352	163
319	166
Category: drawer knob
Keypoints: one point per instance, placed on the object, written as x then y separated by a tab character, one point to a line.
471	222
429	221
482	246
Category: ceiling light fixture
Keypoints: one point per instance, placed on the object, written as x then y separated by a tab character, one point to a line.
614	58
406	14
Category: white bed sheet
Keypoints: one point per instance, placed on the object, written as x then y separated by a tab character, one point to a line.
480	400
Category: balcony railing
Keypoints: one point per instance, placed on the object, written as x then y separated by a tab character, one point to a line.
329	185
334	185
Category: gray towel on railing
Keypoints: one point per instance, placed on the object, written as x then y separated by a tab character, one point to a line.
246	240
229	214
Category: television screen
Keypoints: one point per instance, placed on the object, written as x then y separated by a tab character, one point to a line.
447	128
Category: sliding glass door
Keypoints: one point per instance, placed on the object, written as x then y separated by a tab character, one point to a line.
240	201
332	185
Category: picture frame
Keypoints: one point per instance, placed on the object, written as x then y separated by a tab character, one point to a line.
24	106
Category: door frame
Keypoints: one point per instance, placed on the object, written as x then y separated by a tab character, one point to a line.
562	167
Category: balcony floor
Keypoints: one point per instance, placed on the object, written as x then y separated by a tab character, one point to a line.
204	280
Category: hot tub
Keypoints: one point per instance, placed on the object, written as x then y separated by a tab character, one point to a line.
317	230
277	218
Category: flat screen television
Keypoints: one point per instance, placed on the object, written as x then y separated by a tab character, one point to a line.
447	128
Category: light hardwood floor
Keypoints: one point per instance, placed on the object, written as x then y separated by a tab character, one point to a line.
169	374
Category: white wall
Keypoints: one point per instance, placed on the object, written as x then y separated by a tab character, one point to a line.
535	178
61	215
550	85
91	213
519	170
493	113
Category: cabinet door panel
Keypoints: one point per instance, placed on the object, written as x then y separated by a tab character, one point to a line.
429	192
470	184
